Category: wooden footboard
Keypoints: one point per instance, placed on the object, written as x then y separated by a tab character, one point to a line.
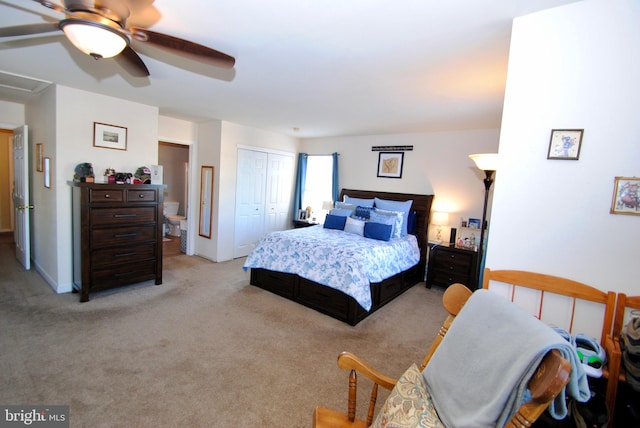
330	301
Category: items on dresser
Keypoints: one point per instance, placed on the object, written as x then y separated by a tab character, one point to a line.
448	265
117	235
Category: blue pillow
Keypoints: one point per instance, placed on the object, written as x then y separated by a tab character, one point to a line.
394	218
358	201
334	222
402	206
346	206
412	223
377	231
341	212
363	212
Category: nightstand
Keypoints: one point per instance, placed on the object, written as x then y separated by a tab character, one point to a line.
448	265
302	223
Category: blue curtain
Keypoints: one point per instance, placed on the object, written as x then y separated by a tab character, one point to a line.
335	190
301	178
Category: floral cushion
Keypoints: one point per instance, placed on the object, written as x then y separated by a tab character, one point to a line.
409	404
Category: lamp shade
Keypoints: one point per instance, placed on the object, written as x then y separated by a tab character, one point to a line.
94	39
440	218
327	205
486	161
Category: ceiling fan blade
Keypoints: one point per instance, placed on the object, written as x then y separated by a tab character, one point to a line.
50	5
183	46
131	61
22	30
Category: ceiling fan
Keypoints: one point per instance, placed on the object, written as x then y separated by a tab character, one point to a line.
98	28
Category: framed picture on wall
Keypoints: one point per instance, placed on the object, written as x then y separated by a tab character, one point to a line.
109	136
626	196
390	164
565	144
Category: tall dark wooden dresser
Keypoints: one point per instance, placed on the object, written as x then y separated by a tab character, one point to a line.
117	235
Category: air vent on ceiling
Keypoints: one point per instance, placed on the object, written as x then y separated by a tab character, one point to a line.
22	83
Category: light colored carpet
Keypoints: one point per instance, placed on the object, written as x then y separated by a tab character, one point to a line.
204	349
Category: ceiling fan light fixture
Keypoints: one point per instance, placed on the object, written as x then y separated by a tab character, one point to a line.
94	39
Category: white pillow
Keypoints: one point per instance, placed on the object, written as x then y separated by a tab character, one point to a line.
354	226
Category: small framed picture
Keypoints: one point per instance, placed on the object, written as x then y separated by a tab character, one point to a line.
626	196
474	223
302	215
565	144
109	136
390	164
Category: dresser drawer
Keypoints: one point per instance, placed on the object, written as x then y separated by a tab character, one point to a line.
123	235
453	260
117	216
129	273
118	255
134	195
105	195
445	279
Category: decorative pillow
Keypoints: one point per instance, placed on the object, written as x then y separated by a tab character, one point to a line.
358	201
334	222
412	221
377	231
341	212
354	226
363	212
402	206
393	218
408	405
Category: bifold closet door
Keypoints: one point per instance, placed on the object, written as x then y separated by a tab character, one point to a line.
250	200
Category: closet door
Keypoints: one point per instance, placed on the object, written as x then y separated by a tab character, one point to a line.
250	200
278	196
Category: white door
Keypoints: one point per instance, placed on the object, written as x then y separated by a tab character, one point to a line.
250	194
21	196
278	198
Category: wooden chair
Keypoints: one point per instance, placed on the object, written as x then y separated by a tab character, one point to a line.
550	378
576	292
612	347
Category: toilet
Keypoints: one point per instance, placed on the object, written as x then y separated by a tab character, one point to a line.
172	217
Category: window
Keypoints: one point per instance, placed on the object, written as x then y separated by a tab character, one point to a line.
319	182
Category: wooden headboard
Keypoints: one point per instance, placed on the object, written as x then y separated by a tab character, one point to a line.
421	205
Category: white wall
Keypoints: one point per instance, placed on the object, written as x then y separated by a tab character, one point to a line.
439	164
11	115
66	132
575	66
234	135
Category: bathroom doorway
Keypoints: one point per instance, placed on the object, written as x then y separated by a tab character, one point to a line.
174	159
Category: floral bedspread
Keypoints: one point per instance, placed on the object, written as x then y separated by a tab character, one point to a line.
335	258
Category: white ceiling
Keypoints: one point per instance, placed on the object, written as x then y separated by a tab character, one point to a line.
327	67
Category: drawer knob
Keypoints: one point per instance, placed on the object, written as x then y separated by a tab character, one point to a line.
141	196
107	195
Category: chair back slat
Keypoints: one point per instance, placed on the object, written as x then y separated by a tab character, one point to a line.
548	284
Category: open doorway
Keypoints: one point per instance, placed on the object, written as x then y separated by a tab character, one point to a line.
174	159
6	181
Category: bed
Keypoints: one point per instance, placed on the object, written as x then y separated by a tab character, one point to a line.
332	301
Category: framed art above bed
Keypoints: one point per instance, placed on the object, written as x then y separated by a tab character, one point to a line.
342	299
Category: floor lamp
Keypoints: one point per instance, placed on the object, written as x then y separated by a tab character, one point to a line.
487	162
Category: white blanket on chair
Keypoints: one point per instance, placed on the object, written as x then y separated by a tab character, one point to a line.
478	376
